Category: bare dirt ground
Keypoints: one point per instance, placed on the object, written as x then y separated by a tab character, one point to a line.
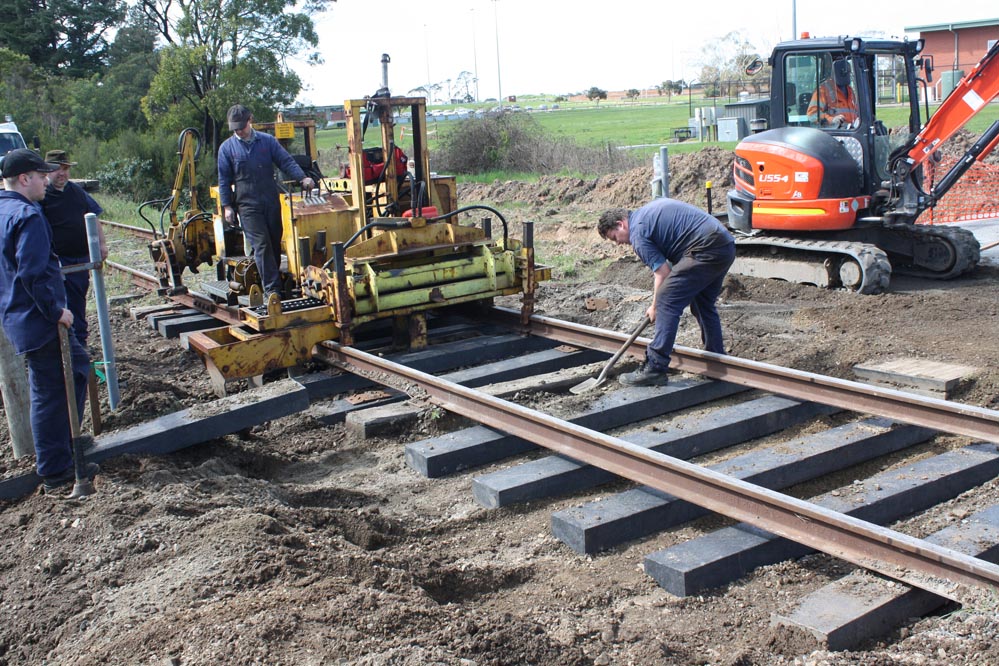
299	544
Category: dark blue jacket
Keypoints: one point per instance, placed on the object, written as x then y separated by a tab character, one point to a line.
32	293
64	211
667	229
253	161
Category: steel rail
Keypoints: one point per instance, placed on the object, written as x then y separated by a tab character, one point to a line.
137	231
147	280
943	415
192	300
893	554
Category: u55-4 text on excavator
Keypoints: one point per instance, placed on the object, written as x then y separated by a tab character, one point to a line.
827	195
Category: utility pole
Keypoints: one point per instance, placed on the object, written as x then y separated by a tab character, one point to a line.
475	57
426	59
499	80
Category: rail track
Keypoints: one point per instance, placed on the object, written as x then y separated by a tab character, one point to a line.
746	400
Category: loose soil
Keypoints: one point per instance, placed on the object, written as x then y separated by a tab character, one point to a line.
296	543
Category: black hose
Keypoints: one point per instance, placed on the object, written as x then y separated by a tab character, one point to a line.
370	225
416	204
146	219
506	231
199	216
400	224
197	145
163	213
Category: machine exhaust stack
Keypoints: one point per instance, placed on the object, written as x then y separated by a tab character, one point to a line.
385	63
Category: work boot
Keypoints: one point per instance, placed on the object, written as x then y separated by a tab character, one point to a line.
54	481
646	375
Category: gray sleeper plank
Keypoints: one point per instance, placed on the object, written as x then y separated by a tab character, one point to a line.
521	366
173	327
858	607
187	427
155	318
480	445
642	511
683	438
537	363
433	359
728	554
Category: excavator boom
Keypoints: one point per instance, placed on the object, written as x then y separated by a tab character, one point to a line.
969	97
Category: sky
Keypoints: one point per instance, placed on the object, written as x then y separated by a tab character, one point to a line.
549	47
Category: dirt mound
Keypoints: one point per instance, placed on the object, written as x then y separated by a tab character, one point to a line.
688	174
959	144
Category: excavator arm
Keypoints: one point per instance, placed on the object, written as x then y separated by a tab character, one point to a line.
969	97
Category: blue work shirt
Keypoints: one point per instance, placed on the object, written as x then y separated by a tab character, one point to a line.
65	210
253	162
32	293
667	229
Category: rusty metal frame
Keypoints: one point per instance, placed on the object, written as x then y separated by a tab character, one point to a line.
225	315
913	561
943	415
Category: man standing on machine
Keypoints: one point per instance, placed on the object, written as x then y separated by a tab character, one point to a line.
246	164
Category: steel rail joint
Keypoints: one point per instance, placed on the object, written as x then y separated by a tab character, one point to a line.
943	415
893	554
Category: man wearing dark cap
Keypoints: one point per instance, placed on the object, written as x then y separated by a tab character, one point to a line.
64	205
246	186
32	305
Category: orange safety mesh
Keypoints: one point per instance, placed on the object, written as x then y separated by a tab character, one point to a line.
974	197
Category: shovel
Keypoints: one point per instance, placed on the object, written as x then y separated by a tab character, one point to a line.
83	486
594	382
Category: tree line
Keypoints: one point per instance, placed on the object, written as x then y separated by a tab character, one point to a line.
115	82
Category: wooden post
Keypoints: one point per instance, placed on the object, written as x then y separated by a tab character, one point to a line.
16	398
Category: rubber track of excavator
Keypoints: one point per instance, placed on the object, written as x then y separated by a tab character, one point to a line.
965	248
873	263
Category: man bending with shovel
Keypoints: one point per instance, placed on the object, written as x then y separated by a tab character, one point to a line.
689	253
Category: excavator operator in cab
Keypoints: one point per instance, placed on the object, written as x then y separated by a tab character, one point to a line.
834	104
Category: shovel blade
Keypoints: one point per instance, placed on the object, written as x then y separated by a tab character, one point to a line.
586	386
83	488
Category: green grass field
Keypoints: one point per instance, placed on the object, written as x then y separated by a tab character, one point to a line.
644	125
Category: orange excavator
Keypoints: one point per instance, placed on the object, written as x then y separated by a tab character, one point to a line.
827	195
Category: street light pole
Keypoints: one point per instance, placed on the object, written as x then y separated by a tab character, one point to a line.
426	59
475	57
499	80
